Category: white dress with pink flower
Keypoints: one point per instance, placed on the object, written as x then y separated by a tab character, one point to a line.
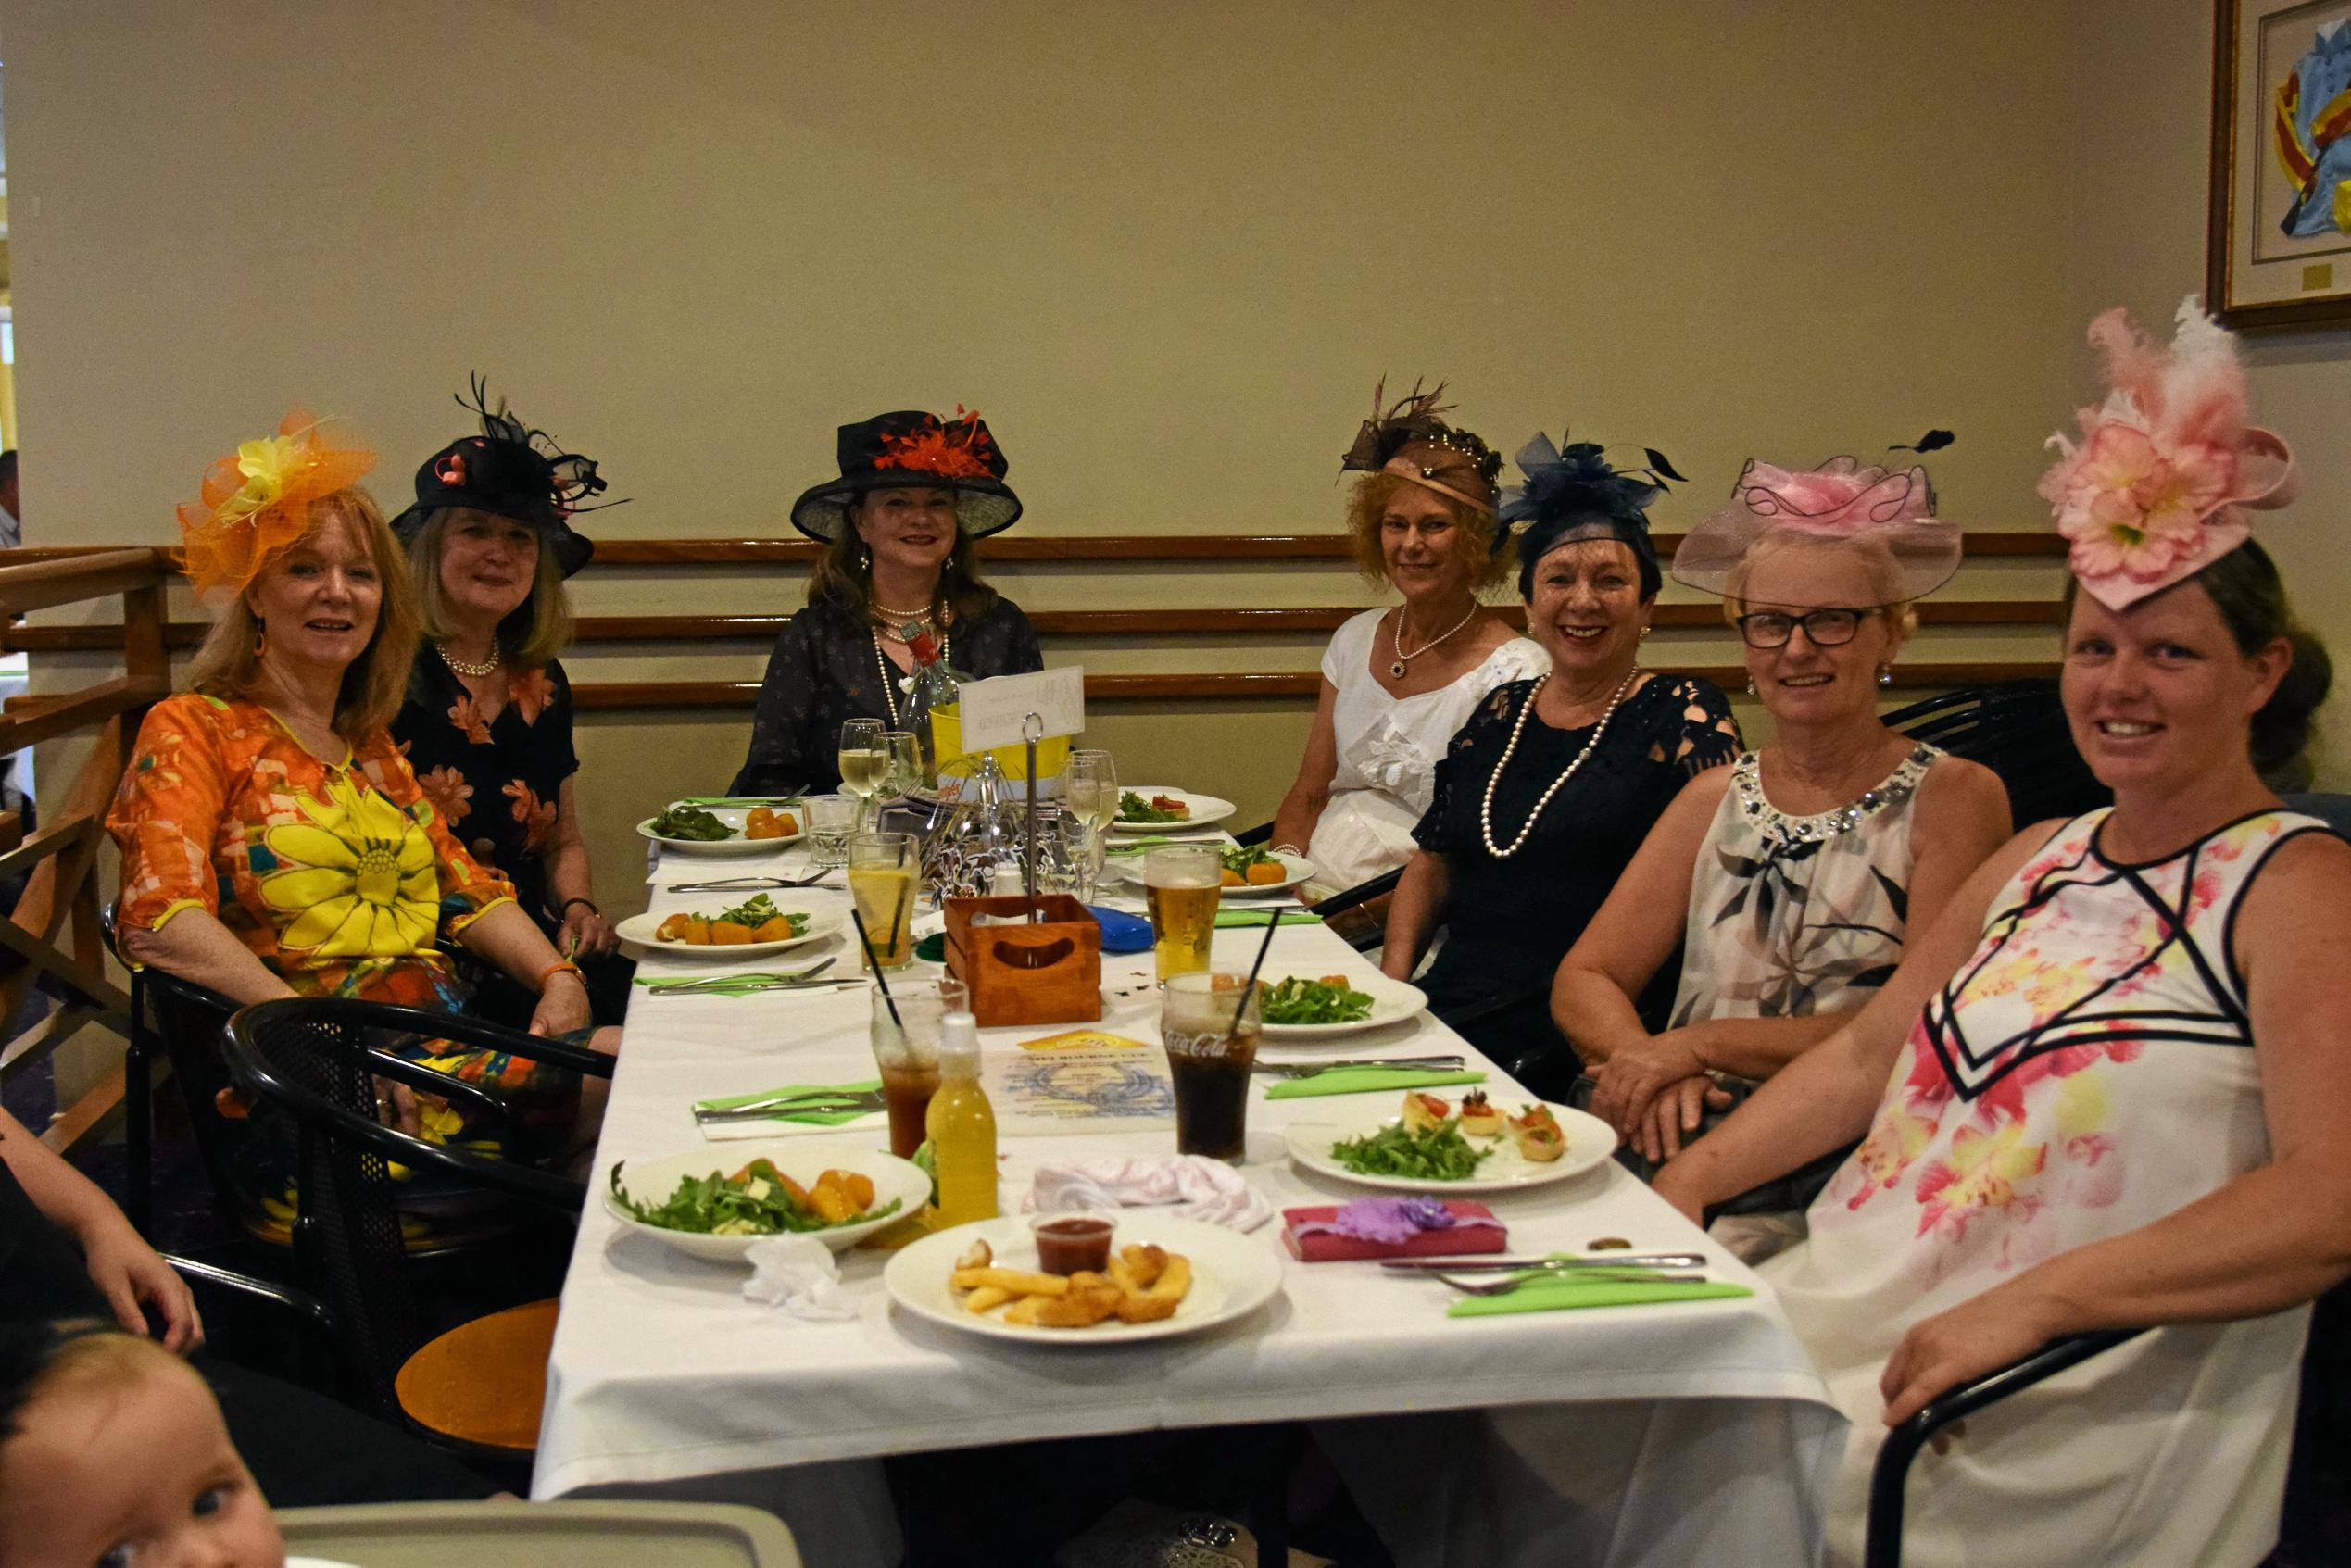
2087	1071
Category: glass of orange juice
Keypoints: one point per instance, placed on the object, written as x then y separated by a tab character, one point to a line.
882	871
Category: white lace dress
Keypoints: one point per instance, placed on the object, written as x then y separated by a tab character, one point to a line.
1388	750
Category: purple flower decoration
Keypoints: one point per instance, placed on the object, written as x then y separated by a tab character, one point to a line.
1388	1220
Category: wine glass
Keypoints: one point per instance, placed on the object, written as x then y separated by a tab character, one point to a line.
904	774
865	762
1090	786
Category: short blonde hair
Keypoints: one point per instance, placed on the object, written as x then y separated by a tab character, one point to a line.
228	662
534	634
1874	556
1472	532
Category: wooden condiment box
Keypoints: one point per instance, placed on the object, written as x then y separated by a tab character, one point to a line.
1048	972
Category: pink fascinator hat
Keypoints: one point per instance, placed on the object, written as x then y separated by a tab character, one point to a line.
2167	468
1887	516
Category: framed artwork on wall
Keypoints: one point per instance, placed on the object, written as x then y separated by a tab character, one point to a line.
2277	248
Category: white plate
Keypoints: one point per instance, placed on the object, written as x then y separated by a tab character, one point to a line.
1207	811
1295	870
733	816
639	928
803	1159
1392	1002
1232	1275
1589	1142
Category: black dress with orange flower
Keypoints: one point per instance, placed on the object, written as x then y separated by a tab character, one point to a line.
497	784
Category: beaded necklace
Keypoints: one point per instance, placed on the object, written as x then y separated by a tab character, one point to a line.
462	667
1486	811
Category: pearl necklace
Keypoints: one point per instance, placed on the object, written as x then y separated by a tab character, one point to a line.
462	667
1486	811
882	664
1396	640
921	613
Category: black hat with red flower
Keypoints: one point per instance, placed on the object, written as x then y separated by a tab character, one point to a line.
510	470
912	450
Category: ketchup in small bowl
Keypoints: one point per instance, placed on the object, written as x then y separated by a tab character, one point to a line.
1068	1243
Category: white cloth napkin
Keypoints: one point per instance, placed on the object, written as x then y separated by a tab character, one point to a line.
797	1274
1200	1188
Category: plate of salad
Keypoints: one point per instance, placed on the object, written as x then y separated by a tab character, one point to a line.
1159	808
714	1205
756	926
1251	871
723	830
1498	1147
1301	1007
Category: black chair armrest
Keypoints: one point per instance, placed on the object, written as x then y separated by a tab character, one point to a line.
1362	893
1882	1544
479	1034
313	1314
1263	833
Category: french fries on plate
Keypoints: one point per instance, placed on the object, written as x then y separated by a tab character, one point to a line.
1143	1284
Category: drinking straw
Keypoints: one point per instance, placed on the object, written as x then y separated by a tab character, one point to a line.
872	962
1272	925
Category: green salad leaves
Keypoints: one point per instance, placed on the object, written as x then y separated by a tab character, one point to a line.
757	1200
690	822
1133	808
1300	1000
1439	1154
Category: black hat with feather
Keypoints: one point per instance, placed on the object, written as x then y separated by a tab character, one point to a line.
510	470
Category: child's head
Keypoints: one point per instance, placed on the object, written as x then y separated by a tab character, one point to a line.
113	1453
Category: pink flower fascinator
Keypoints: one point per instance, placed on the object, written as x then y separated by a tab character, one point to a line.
1886	515
2158	487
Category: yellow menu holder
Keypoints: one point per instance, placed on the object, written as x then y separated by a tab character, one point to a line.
958	768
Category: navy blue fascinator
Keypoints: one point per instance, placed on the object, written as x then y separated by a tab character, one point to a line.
1578	494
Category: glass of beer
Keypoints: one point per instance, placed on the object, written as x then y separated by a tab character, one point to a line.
906	1050
882	869
1209	1025
864	761
1182	883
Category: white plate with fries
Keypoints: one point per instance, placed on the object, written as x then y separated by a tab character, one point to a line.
1393	1001
1225	1275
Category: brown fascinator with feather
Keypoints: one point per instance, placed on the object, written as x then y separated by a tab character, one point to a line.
1411	438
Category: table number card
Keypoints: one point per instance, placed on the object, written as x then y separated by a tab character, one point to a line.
994	710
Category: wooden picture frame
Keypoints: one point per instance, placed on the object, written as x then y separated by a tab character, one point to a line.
2277	239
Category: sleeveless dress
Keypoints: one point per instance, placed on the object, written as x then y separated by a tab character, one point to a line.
1388	750
2087	1071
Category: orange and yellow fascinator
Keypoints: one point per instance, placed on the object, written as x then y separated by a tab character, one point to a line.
256	500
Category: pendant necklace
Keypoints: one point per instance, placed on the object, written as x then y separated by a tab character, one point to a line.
1486	811
1396	640
462	667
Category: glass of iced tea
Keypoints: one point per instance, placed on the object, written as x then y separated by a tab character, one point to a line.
906	1050
882	871
1182	883
1209	1025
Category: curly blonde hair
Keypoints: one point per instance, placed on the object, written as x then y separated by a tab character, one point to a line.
1472	532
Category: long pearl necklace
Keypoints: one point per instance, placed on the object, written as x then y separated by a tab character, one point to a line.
1486	811
462	667
1396	640
882	664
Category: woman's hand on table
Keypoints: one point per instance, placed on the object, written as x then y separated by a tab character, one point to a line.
585	933
1624	1085
134	1278
1981	1335
563	1005
1672	1117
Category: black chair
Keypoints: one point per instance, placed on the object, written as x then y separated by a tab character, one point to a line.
475	1388
2018	729
1881	1544
179	1022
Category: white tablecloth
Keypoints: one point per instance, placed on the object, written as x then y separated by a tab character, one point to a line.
1646	1434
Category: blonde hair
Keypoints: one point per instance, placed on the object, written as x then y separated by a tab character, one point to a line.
1472	532
1876	559
74	1355
533	634
228	662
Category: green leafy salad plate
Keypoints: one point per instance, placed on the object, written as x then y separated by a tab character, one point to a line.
1301	1009
1372	1148
713	1203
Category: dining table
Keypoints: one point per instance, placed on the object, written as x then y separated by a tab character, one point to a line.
1667	1431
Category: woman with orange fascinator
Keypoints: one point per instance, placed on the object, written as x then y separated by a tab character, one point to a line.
2105	1088
275	841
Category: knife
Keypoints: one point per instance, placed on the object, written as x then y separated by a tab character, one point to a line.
1313	1069
1488	1263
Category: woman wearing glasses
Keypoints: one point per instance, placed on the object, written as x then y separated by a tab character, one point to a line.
1790	877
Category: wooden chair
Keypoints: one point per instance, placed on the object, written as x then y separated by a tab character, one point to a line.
477	1388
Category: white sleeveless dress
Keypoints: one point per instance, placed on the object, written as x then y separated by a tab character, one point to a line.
2087	1071
1388	750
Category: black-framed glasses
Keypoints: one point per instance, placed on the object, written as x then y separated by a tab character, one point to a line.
1823	627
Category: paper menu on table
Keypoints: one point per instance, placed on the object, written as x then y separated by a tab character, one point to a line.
1117	1088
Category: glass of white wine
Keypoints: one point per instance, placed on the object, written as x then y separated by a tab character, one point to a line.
865	762
904	775
1091	789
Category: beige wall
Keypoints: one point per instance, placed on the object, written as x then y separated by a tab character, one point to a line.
1165	248
2136	174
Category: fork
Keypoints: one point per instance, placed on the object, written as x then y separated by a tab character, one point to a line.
753	977
1639	1276
762	1110
1313	1069
746	883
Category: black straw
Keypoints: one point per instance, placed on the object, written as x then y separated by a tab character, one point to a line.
1273	918
873	963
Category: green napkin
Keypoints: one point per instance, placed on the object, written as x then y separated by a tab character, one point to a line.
1364	1080
1228	919
746	801
814	1118
1567	1288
